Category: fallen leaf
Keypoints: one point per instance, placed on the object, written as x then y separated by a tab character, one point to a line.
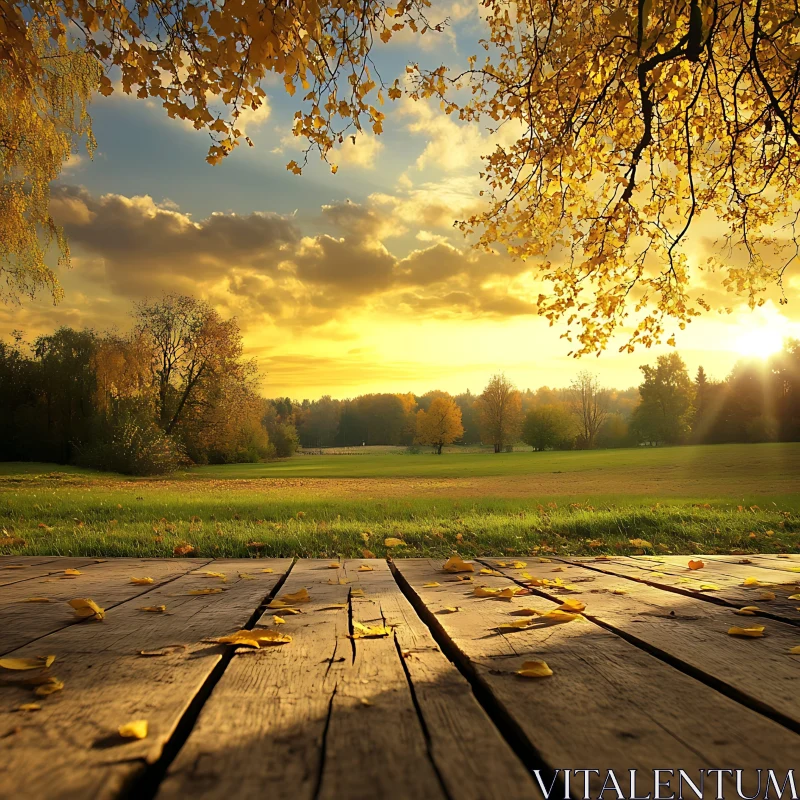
221	575
794	597
37	600
141	581
367	553
38	662
51	686
557	569
182	549
430	585
334	565
449	610
643	543
519	564
246	577
709	587
29	707
338	581
86	608
527	612
154	609
751	582
486	571
535	669
197	592
696	564
276	620
301	596
72	572
498	594
365	568
619	591
795	651
573	606
557	615
457	564
268	569
752	633
254	638
356	593
164	651
766	596
134	730
747	611
369	631
391	541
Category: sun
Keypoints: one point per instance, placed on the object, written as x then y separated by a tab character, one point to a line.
760	342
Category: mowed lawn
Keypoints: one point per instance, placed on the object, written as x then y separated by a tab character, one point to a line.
724	498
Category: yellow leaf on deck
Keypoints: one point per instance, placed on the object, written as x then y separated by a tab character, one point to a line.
334	565
430	585
301	596
499	594
365	568
246	577
557	569
154	609
268	569
518	625
519	564
338	581
361	631
527	612
535	669
573	606
449	610
141	581
751	582
643	543
37	600
278	620
545	560
134	730
38	662
72	572
696	564
766	596
486	571
29	707
457	564
747	611
557	615
254	638
51	686
356	593
795	651
752	633
221	575
197	592
87	608
619	591
709	587
391	541
794	597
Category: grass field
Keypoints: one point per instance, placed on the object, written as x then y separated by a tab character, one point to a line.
727	498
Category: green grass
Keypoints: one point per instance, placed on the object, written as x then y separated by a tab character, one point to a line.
737	498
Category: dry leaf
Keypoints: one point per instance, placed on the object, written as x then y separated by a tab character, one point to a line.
369	631
518	625
164	651
72	572
246	577
141	581
367	553
134	730
766	596
29	707
573	606
519	564
486	571
254	638
557	569
457	564
198	592
154	609
391	541
793	597
449	610
268	569
535	669
709	587
696	564
795	651
557	615
747	611
619	591
334	565
278	620
752	633
430	585
86	608
51	686
356	593
365	568
221	575
38	662
37	600
338	581
527	612
643	543
751	582
182	549
301	596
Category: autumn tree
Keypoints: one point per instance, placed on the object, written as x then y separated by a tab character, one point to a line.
192	348
667	392
440	424
588	403
624	124
500	413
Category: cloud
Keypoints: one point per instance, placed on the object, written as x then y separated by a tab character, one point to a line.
361	150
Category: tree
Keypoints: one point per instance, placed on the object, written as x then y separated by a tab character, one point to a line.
635	120
190	346
665	409
589	406
42	116
500	413
440	424
548	427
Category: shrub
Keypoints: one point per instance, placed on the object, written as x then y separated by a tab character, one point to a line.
132	446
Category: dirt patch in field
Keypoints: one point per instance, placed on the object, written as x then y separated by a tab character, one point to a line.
664	482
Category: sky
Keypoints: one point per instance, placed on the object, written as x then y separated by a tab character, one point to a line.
342	284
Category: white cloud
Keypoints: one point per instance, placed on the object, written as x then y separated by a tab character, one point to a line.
361	150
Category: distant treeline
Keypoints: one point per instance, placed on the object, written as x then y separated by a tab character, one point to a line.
178	390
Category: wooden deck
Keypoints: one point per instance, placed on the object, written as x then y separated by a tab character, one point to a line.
648	678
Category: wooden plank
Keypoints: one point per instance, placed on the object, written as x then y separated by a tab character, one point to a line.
107	583
690	631
472	758
322	716
765	560
37	568
70	747
608	702
729	578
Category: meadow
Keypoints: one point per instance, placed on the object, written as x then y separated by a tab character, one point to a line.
711	498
